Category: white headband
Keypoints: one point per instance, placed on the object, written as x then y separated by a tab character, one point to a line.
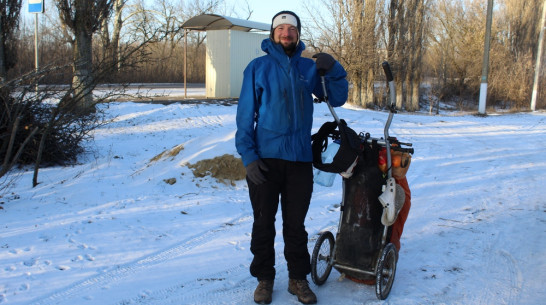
285	19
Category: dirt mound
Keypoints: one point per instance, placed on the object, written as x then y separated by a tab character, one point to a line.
224	168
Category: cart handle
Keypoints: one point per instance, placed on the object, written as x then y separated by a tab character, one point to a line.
392	111
334	114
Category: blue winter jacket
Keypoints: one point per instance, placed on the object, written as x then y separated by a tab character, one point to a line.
275	110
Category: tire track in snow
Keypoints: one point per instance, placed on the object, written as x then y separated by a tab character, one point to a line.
225	291
503	271
238	291
515	278
233	285
146	262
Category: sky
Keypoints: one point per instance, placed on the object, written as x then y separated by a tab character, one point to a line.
130	224
263	11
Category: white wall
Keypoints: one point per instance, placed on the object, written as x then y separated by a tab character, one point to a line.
228	54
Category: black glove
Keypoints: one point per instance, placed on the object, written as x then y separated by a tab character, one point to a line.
324	62
255	170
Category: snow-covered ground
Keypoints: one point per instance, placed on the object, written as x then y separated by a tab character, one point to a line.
111	230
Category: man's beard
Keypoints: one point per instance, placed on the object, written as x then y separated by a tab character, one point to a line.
290	49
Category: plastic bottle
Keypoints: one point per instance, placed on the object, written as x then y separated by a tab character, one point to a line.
325	178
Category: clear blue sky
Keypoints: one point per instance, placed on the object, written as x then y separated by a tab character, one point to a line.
263	11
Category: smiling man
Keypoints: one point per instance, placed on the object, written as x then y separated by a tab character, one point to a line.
286	31
274	120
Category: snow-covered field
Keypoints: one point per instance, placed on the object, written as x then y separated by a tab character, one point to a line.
111	230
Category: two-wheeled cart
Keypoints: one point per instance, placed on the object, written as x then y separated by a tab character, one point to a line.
361	249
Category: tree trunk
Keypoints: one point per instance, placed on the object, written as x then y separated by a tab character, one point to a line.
416	94
357	85
370	47
9	23
3	69
368	89
118	23
82	80
399	94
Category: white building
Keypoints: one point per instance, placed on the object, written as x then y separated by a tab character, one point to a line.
231	44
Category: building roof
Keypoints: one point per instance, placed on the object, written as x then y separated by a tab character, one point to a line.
207	22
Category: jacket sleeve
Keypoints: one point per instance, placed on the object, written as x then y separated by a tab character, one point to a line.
337	86
246	114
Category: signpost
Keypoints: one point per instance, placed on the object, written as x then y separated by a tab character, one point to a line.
36	7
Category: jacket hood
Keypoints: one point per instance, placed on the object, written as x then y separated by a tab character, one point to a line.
277	51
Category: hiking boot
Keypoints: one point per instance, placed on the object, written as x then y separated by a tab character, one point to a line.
262	294
301	289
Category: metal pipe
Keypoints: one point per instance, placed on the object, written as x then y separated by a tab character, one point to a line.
334	114
36	64
348	268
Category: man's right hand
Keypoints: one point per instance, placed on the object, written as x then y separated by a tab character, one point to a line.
255	170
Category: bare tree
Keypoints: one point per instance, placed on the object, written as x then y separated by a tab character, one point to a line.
361	48
370	57
111	42
355	36
522	20
83	18
340	33
416	13
514	53
167	54
406	38
456	49
9	22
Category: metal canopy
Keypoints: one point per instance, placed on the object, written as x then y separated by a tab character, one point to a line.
208	22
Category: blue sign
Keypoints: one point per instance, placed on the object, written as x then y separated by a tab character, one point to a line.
35	6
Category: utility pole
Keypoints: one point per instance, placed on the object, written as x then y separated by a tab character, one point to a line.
185	62
539	59
485	67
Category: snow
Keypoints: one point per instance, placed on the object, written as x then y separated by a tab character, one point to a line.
111	231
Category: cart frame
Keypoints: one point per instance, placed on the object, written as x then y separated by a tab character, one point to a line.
324	253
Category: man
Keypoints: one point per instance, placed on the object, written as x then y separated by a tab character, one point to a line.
274	120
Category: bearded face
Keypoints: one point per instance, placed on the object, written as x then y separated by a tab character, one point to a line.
287	36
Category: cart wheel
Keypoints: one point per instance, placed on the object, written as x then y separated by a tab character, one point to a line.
321	261
385	271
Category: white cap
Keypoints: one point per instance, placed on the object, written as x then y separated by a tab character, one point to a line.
285	19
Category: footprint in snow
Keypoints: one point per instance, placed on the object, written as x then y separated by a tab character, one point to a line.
77	258
24	287
31	262
237	245
63	268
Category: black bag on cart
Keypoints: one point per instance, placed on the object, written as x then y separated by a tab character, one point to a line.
359	236
349	147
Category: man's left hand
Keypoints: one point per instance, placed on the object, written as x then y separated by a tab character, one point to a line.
324	62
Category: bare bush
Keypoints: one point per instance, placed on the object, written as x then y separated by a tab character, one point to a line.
456	51
41	127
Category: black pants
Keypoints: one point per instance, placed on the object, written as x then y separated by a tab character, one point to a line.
293	182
